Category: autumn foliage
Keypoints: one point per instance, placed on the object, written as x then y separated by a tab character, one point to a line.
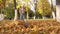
29	27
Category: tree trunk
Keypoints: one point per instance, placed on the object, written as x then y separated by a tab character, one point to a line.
35	3
34	17
53	14
42	10
58	13
15	17
27	16
43	17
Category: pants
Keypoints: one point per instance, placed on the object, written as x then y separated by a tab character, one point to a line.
21	16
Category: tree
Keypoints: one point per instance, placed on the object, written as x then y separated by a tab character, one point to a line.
2	7
44	8
58	10
58	13
32	5
15	17
53	11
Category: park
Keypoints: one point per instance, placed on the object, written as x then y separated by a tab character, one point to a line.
29	16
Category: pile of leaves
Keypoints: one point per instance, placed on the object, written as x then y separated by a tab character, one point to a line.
29	27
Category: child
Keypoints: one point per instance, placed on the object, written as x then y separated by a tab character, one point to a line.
21	11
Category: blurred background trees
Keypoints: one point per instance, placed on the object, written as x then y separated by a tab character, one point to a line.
42	8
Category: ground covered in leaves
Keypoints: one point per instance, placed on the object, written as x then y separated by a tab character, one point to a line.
29	27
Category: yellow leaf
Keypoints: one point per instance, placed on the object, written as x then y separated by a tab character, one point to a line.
35	28
40	11
26	0
18	6
0	0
